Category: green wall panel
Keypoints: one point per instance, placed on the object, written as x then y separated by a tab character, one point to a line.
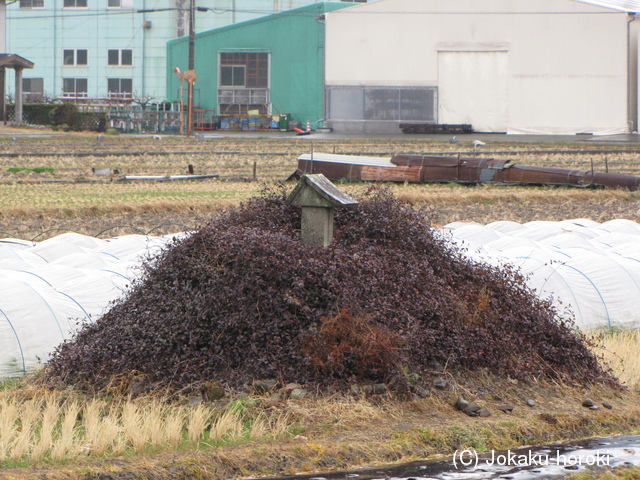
295	41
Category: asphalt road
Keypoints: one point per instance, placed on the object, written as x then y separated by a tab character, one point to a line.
630	138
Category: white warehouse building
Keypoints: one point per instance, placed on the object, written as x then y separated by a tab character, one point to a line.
514	66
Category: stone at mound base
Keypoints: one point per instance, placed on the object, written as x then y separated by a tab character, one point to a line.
298	393
263	386
461	403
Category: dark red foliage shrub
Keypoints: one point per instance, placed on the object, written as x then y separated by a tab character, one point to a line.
243	298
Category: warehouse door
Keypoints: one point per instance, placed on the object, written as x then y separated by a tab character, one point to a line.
472	89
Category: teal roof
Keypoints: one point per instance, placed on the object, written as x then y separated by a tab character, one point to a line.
313	10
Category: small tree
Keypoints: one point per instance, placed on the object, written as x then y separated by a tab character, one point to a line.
66	114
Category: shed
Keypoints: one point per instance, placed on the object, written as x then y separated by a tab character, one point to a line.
514	66
258	68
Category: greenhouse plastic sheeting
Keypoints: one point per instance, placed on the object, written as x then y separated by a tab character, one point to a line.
48	289
590	271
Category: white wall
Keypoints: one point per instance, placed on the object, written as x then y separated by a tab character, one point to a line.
3	28
562	67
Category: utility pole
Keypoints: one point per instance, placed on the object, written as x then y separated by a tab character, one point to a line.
192	34
191	77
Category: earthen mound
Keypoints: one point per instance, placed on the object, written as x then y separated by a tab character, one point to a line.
243	299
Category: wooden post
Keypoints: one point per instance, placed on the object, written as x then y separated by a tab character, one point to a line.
3	104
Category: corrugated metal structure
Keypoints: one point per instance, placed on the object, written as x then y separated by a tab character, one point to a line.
526	66
268	66
465	170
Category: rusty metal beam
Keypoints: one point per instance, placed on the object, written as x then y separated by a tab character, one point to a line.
457	169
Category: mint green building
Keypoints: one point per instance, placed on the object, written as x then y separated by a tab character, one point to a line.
255	70
93	50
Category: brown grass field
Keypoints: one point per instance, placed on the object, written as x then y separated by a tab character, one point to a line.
65	435
69	195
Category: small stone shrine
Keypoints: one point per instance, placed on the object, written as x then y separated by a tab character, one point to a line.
318	198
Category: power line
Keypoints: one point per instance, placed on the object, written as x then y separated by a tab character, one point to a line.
62	14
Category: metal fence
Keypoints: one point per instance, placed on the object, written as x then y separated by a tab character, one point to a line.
126	119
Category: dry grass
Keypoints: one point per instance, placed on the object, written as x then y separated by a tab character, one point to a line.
274	158
46	427
229	426
625	472
254	436
456	195
91	203
22	200
345	412
620	350
75	200
67	440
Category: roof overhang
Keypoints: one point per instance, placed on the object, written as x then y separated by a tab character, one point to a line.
628	6
11	60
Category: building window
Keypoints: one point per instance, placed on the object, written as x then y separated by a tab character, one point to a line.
74	57
120	57
33	90
119	3
75	4
382	103
33	85
244	69
243	83
232	76
74	87
120	87
31	3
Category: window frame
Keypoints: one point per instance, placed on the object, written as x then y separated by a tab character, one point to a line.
120	93
75	57
233	76
120	57
65	2
75	93
30	80
124	4
31	6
